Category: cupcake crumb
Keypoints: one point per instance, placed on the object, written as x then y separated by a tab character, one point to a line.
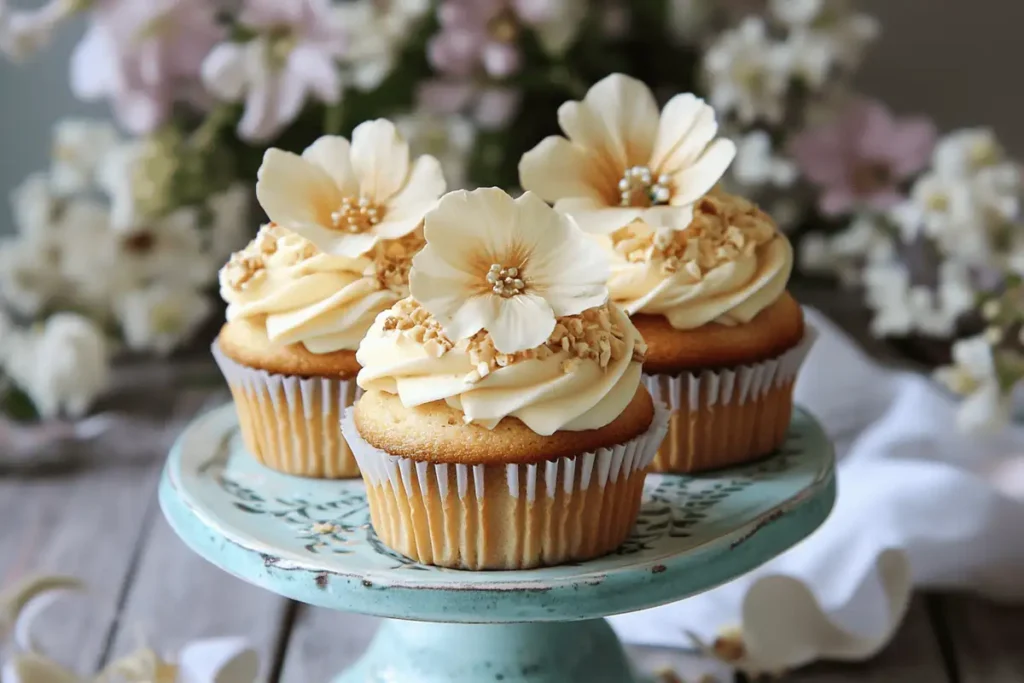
324	528
392	260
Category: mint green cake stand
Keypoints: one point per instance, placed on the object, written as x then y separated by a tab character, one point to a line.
311	540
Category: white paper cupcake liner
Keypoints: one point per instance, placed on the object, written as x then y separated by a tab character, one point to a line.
290	423
692	391
507	516
596	467
721	418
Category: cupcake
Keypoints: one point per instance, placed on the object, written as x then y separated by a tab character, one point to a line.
346	223
702	273
504	424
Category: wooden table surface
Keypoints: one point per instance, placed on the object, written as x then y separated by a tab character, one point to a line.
96	517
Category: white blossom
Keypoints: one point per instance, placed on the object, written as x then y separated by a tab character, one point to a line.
973	375
377	31
757	164
79	145
449	139
748	73
901	308
29	275
135	175
843	253
36	209
159	318
230	226
825	34
687	19
507	266
62	367
23	33
964	152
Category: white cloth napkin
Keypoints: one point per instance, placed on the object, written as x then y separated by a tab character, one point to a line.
920	505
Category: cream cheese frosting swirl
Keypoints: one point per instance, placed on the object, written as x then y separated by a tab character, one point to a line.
581	378
727	266
301	295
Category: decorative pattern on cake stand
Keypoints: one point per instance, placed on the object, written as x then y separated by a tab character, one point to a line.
311	540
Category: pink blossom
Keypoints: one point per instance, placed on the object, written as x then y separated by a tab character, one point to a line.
143	55
292	57
475	35
862	158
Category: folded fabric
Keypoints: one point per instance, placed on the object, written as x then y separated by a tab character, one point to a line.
921	505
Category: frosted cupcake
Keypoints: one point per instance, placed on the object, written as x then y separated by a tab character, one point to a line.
504	424
303	293
702	273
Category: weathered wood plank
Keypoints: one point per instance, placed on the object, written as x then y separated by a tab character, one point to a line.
87	517
177	596
987	639
323	643
913	655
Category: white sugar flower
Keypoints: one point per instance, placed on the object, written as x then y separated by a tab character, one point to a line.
62	367
215	660
757	164
343	197
748	73
448	138
506	266
964	152
623	160
376	30
159	318
973	374
79	145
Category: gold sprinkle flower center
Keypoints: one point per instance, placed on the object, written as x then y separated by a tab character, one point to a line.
639	187
505	281
356	215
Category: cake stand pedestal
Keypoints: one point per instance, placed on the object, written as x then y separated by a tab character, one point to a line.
310	540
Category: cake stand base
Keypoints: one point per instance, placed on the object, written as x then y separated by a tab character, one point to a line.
568	652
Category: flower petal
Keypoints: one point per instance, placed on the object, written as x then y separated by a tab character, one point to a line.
695	181
423	186
33	668
381	159
487	210
686	128
318	72
223	660
332	153
567	268
595	218
618	120
674	217
520	322
300	196
223	71
557	169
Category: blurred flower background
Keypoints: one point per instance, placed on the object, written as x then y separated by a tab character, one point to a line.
119	241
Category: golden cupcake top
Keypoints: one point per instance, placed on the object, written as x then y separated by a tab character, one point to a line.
509	316
642	181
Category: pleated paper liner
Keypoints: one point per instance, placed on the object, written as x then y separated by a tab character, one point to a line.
507	516
289	423
727	417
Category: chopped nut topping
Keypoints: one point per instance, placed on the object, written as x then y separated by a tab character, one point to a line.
723	229
590	335
392	260
272	241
